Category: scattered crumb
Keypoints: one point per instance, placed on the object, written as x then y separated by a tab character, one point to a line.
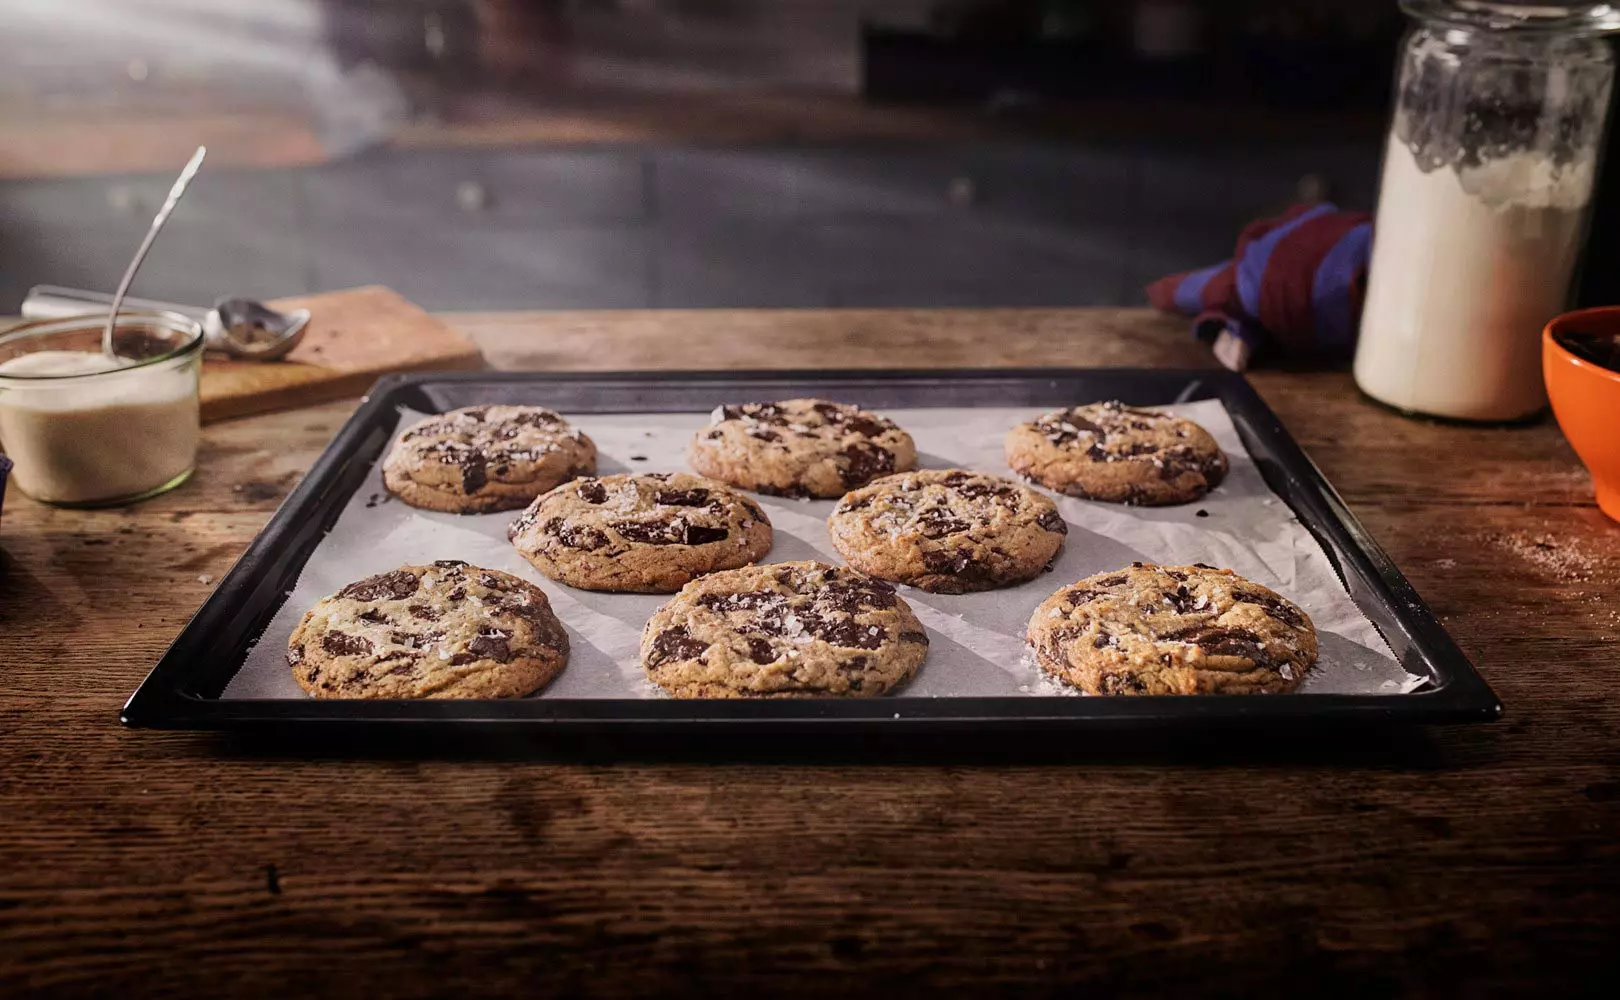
1559	559
378	499
205	578
1446	563
638	458
1203	513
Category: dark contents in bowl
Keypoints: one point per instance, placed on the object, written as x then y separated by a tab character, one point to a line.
1602	349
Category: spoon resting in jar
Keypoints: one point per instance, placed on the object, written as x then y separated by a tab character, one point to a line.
175	193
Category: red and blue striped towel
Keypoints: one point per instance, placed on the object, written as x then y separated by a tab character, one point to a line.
1294	286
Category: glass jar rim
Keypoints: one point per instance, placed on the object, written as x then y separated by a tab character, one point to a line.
166	320
1519	16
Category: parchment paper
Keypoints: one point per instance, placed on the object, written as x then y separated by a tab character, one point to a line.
977	646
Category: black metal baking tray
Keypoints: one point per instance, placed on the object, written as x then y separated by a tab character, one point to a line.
183	690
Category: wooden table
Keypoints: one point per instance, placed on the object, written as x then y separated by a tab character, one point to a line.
1434	862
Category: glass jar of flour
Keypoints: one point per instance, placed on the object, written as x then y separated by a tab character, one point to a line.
1488	175
85	428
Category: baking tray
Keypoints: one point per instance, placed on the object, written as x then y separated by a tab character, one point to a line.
183	690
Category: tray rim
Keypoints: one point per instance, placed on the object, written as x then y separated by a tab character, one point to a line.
1462	696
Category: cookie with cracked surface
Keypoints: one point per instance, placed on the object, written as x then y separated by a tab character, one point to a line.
1118	453
784	630
800	447
647	534
949	531
1172	630
485	458
448	630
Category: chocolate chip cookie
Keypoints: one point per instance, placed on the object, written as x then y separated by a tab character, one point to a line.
448	630
786	630
647	534
800	447
486	458
947	530
1118	453
1172	630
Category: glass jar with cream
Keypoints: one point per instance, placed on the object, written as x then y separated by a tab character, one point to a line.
85	428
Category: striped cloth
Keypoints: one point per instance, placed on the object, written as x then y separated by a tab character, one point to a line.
1294	286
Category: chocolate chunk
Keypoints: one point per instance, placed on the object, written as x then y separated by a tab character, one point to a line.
541	418
937	522
1275	606
1097	454
760	600
844	631
295	655
860	503
857	597
1076	598
683	498
449	563
697	534
459	594
1122	684
832	412
1219	641
373	616
492	644
978	491
423	612
1113	581
474	473
1182	600
675	644
917	637
675	532
1102	642
731	413
866	426
763	434
592	491
947	563
523	523
493	582
1201	513
575	536
475	413
393	586
864	462
1054	430
1052	521
1199	565
343	644
761	651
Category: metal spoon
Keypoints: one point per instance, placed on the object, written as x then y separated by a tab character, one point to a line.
158	220
242	328
251	330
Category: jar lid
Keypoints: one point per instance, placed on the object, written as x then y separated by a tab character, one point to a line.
1520	15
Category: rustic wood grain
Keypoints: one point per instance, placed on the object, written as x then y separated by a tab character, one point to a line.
354	336
1471	861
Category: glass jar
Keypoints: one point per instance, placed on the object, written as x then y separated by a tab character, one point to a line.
1488	175
83	429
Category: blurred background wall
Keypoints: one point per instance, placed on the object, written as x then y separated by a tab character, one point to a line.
623	153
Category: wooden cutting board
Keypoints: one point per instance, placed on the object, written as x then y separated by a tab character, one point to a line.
354	337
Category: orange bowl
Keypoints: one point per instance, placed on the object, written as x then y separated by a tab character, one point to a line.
1586	400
